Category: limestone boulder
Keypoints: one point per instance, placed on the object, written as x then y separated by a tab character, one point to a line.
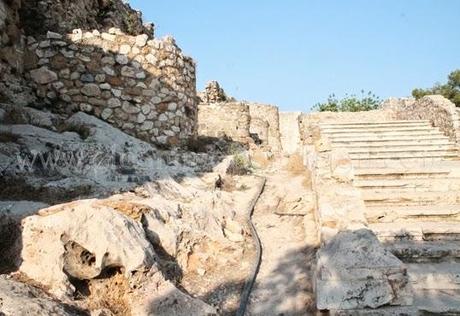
22	299
354	271
81	239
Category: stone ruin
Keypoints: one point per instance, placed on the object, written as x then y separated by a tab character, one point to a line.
385	202
144	87
223	116
213	93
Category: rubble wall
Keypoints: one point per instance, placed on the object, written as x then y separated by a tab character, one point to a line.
441	112
144	87
230	119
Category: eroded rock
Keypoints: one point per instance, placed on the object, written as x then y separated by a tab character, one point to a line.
354	271
81	239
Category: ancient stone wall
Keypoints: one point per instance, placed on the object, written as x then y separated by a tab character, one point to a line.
213	93
441	112
231	119
144	87
266	124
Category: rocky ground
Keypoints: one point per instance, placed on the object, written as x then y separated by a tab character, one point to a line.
101	223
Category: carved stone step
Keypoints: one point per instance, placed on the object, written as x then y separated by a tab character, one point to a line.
389	136
391	214
417	231
434	276
368	124
405	155
425	251
377	130
391	142
428	172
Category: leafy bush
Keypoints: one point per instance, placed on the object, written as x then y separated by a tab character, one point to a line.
240	165
450	90
350	103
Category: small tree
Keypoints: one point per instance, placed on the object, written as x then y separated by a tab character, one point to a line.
450	90
350	103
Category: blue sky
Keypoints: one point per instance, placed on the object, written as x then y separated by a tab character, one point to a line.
294	53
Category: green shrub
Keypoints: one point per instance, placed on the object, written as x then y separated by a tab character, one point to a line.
350	103
450	90
240	165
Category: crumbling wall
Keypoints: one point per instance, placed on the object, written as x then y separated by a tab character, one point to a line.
224	120
213	93
438	110
266	124
144	87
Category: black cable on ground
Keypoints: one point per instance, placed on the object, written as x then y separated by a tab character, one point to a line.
249	284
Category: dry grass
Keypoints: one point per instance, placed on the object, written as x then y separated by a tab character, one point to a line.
130	209
229	184
296	167
295	164
109	293
260	159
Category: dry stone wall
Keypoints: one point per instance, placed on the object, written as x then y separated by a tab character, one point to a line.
144	87
441	112
231	119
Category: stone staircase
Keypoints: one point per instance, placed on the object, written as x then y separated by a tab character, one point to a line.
409	175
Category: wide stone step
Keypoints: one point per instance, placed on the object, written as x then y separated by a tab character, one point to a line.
379	132
436	302
386	136
403	198
426	303
416	231
379	124
412	251
391	142
371	131
394	148
405	163
390	214
383	150
405	155
410	185
434	276
423	132
411	172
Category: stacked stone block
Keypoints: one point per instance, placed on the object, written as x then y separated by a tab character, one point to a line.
219	120
144	87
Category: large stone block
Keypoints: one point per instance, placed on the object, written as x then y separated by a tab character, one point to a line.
354	271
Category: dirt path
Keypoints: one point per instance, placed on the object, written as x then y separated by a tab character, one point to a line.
284	282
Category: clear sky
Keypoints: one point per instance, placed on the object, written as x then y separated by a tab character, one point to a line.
294	53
